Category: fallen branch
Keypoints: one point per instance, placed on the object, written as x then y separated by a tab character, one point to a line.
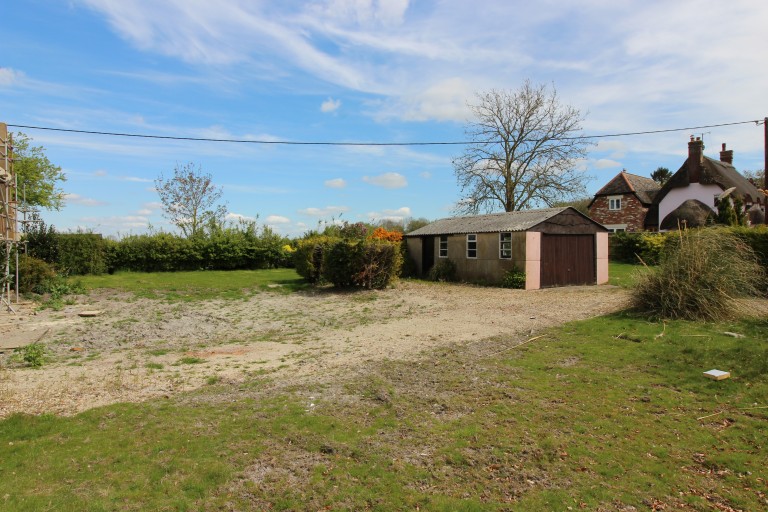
710	415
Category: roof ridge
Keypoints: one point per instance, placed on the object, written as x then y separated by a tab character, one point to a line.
626	180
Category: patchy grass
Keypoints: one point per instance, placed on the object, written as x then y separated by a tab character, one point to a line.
624	274
597	415
200	285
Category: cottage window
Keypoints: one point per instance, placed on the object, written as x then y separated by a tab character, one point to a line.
505	246
443	252
616	228
614	203
472	246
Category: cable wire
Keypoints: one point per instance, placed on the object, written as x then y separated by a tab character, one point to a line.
320	143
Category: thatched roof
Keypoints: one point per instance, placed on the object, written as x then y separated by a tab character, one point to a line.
713	172
691	214
491	223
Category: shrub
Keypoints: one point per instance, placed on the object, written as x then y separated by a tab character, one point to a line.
369	264
34	274
443	270
514	278
701	276
308	256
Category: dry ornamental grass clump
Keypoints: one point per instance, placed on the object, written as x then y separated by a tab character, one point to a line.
703	275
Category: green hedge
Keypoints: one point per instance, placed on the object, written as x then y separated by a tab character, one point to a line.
632	247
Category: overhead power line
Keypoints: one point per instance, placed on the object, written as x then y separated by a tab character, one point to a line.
322	143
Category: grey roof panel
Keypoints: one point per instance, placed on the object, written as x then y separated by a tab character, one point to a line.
491	223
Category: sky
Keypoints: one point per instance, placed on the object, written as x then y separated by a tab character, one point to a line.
386	71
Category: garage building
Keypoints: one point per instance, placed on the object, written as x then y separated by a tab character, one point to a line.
554	246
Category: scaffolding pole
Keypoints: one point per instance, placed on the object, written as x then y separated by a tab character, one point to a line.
9	232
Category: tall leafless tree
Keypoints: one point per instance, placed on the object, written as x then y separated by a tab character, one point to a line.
190	199
525	151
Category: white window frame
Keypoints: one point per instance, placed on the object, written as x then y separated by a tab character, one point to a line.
442	246
505	246
616	228
472	239
614	203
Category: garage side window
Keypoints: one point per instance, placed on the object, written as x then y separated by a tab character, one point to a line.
443	252
505	246
472	246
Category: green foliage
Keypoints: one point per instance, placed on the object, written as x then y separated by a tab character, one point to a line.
82	253
42	241
755	237
726	214
443	270
38	178
34	274
643	247
701	275
370	264
309	256
514	278
661	175
32	355
238	247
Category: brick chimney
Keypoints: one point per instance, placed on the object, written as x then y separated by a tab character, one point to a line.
695	156
726	156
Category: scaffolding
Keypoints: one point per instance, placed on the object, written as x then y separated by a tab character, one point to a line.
10	237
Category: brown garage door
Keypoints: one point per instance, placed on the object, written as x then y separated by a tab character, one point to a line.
567	260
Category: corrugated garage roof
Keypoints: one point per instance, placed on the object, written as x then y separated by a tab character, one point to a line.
492	223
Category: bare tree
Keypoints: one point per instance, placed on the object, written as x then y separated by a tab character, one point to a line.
189	199
525	151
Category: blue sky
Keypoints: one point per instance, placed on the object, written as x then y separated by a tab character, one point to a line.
359	71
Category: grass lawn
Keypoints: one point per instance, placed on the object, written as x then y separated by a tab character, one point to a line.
197	285
596	415
624	274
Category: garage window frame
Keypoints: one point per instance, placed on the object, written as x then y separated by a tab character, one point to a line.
443	247
505	246
472	246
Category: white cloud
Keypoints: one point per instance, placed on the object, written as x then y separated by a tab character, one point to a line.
397	215
9	77
605	163
145	212
155	205
324	212
443	101
335	183
100	172
277	219
425	175
135	179
237	217
387	180
330	105
84	201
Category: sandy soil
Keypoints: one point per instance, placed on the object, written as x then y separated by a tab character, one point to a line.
141	348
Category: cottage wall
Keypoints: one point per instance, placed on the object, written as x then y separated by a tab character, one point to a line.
677	196
632	212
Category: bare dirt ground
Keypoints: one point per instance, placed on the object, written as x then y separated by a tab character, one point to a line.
142	348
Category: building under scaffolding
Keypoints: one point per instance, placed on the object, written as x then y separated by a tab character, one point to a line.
9	220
